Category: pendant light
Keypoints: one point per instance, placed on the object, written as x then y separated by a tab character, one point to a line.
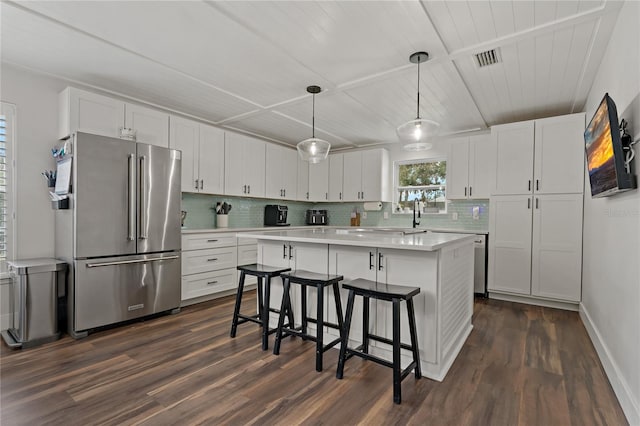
313	150
414	133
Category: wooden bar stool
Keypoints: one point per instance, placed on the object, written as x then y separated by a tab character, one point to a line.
264	274
320	282
395	294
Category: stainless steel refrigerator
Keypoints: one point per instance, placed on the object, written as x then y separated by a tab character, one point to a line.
121	233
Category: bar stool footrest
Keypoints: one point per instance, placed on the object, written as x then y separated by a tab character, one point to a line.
389	342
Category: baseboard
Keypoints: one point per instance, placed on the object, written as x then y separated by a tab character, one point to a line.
567	306
620	387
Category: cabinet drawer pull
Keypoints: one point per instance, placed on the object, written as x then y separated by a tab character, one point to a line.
380	257
370	260
248	189
537	185
470	191
284	251
212	241
537	202
212	259
290	252
212	282
465	191
528	203
529	187
196	183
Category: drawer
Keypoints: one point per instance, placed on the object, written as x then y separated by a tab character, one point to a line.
208	241
198	285
198	261
247	241
247	255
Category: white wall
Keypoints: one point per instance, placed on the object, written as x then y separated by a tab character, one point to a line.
36	100
611	267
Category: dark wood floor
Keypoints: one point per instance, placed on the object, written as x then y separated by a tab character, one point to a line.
522	365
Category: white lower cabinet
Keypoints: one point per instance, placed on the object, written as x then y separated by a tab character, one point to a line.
309	257
395	267
247	255
535	247
209	263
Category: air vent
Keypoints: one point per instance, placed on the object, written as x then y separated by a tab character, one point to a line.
486	58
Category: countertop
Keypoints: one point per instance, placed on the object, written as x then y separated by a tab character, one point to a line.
278	228
363	237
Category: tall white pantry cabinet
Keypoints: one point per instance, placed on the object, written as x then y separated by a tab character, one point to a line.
536	203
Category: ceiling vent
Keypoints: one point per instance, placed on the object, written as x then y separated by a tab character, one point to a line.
488	57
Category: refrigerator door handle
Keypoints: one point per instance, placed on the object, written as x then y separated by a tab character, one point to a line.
126	262
132	198
143	198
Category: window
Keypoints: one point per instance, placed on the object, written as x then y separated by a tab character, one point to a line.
7	116
422	182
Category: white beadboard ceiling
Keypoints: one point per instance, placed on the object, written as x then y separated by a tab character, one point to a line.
245	65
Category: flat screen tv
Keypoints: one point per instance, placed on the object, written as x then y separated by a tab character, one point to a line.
605	153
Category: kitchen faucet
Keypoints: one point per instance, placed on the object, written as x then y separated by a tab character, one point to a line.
416	205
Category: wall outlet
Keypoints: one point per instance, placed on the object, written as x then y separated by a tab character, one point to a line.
454	216
385	215
364	215
475	213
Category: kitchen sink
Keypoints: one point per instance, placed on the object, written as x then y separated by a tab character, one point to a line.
385	231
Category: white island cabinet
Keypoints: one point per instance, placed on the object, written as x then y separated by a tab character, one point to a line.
441	265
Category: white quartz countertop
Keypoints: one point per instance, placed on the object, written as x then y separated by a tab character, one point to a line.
263	228
364	237
308	227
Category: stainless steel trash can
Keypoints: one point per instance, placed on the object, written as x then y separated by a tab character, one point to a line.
35	285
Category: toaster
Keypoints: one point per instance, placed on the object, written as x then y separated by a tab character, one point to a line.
317	217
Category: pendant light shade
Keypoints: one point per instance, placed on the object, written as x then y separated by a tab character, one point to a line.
313	150
415	133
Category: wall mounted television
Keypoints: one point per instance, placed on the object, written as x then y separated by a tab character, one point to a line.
605	152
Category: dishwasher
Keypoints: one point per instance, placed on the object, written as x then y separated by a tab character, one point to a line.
480	264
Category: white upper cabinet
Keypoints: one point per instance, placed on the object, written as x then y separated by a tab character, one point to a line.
281	172
81	111
151	126
335	176
352	177
559	155
211	160
185	136
513	147
302	179
366	176
470	167
375	175
319	181
202	149
244	166
543	156
481	166
458	168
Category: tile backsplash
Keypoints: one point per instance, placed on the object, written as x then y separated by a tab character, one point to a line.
249	213
245	212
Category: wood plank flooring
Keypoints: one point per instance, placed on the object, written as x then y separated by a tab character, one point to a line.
521	365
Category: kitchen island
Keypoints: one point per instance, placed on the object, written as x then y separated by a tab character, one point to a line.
441	265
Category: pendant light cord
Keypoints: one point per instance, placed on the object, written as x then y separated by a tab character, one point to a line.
313	116
418	108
